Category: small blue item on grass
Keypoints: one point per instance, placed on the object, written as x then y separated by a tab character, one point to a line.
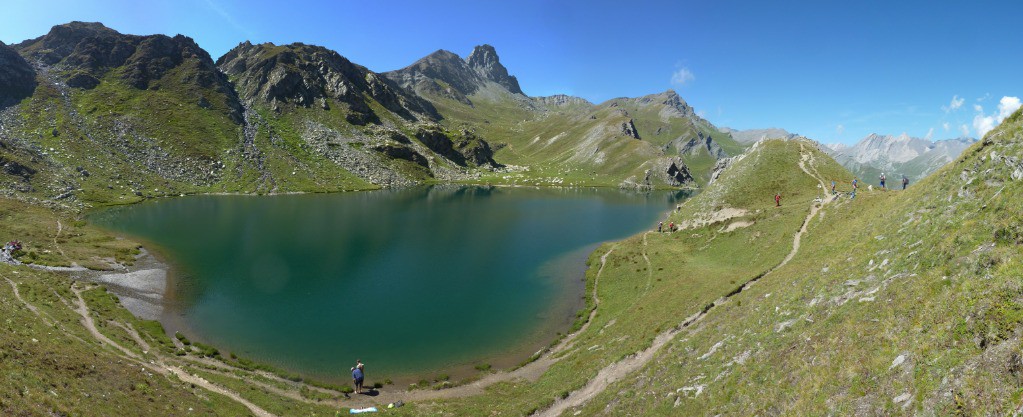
362	410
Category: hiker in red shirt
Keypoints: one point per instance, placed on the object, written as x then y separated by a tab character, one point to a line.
777	200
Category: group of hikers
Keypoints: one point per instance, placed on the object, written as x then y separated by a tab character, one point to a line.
855	186
777	197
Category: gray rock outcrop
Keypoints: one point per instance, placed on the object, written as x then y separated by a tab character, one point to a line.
307	75
17	78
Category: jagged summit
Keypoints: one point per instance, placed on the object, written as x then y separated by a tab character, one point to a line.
446	74
485	61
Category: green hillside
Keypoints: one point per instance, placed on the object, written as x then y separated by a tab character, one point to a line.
889	303
898	303
894	302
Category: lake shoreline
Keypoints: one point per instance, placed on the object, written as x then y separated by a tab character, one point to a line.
135	285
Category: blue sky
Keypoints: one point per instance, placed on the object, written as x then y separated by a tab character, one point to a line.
835	71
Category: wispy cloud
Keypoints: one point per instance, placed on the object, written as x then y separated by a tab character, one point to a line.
229	18
953	105
983	123
930	134
682	76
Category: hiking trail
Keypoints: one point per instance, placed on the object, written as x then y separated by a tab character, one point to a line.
632	363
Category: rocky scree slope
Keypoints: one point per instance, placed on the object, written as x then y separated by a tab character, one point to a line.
326	105
116	117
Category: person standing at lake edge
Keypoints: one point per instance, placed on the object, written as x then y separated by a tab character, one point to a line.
358	375
660	225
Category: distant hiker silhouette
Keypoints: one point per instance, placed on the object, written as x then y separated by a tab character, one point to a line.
882	182
777	200
905	182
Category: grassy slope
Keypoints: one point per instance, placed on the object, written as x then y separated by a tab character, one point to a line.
49	365
930	275
804	324
687	271
575	144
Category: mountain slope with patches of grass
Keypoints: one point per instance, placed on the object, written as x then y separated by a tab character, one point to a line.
898	303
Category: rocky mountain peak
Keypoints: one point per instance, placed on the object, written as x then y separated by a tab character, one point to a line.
484	61
307	75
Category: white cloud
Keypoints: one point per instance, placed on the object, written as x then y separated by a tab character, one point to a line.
840	129
930	134
682	77
985	123
964	130
1007	106
946	126
955	104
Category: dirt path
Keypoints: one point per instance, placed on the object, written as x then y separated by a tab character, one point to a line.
649	267
209	386
160	367
32	308
60	229
619	370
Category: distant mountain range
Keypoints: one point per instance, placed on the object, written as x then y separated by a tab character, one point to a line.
897	155
90	114
875	154
751	136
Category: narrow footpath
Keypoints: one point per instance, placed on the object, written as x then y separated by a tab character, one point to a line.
619	370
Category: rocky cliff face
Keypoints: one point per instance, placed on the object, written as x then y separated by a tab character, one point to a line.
82	54
17	78
485	62
307	76
447	74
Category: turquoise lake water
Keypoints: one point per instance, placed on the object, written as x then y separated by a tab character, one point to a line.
415	282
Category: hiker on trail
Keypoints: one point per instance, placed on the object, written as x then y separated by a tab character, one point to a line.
833	187
358	375
671	226
905	182
777	199
659	226
882	182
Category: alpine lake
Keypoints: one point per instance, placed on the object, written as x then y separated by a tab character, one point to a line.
414	282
